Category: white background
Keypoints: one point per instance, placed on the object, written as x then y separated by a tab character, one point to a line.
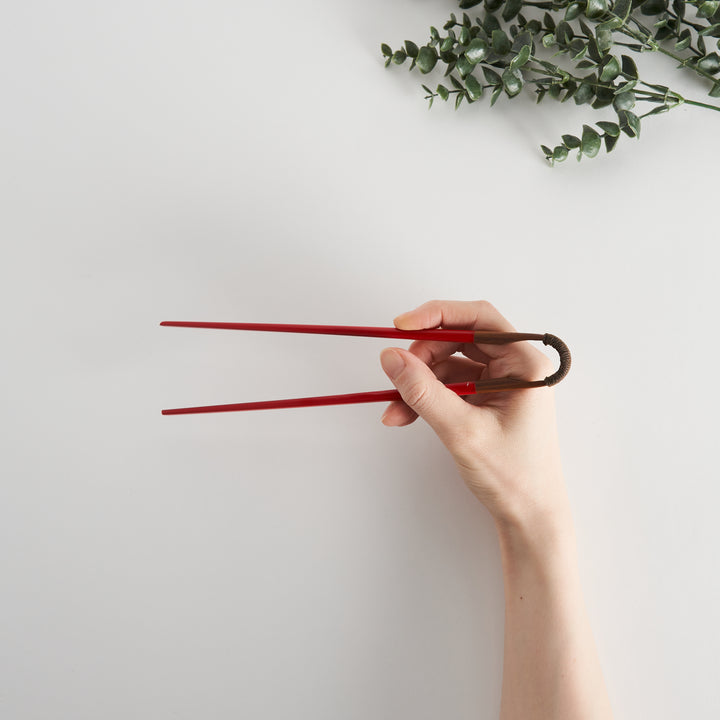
256	162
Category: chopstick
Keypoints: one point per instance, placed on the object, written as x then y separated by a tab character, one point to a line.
463	388
443	334
352	330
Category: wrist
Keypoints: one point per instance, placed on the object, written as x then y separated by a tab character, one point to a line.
540	536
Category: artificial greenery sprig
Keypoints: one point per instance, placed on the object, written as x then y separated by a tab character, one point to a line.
515	43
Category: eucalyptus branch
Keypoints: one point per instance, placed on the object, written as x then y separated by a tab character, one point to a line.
504	51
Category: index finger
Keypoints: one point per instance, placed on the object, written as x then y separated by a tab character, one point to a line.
475	315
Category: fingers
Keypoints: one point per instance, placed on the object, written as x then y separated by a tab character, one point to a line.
517	359
454	369
423	393
475	315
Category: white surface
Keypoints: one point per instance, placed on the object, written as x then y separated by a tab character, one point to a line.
248	161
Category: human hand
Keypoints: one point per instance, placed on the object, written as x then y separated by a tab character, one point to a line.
505	444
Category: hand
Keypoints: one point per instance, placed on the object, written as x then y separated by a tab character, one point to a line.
505	444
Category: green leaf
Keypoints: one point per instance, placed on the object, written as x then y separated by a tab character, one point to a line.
521	58
443	92
610	69
458	99
464	36
596	8
654	7
500	42
491	77
577	49
624	101
685	39
658	110
712	30
511	9
560	153
584	94
629	67
548	40
512	82
573	11
629	123
571	141
474	88
427	90
464	66
622	8
604	37
548	21
610	143
710	63
411	49
609	128
447	44
548	152
495	95
590	142
386	50
715	91
625	87
708	9
464	4
426	59
399	57
477	51
564	33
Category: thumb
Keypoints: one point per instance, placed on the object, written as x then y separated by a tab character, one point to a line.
441	408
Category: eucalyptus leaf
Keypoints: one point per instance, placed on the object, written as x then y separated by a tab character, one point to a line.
473	87
477	50
592	46
427	59
590	142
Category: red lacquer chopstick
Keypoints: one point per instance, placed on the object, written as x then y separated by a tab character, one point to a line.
444	334
354	330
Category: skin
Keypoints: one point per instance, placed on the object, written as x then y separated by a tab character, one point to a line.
506	449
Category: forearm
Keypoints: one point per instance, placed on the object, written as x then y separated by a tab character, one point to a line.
551	668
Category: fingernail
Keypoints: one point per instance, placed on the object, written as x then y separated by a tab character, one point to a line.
384	415
392	362
399	319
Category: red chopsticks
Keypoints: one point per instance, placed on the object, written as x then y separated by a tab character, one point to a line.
357	331
444	334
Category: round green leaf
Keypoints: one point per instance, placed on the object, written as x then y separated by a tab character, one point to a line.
590	142
411	48
500	42
426	59
473	87
609	128
710	63
477	51
399	57
570	141
512	82
522	57
596	8
611	69
560	153
624	101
